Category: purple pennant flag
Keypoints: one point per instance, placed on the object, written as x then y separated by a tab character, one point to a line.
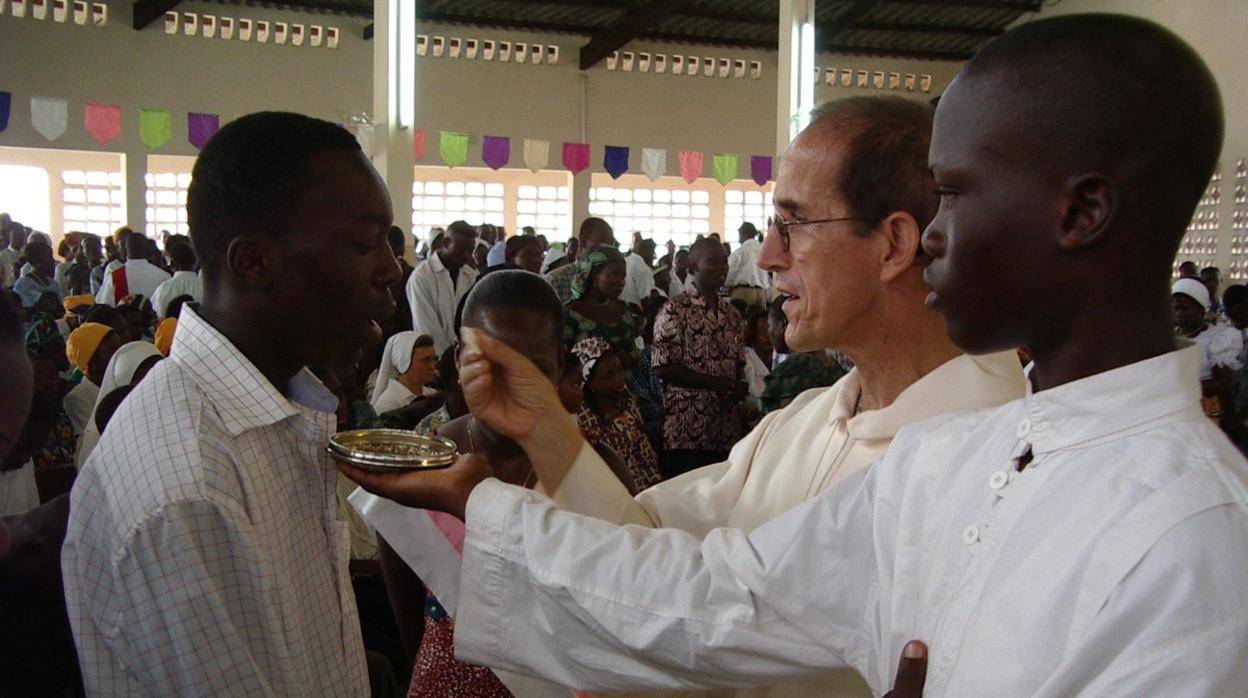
495	151
201	127
6	100
760	169
615	160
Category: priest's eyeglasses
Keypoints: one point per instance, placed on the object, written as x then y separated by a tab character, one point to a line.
782	226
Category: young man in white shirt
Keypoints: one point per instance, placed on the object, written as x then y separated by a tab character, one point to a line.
203	555
1089	539
136	277
746	279
639	279
185	282
436	285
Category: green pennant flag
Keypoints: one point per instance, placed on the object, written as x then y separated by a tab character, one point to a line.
453	147
725	167
154	127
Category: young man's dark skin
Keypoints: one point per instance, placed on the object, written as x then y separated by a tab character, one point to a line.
710	269
339	257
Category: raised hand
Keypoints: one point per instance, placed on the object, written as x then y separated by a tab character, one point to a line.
445	489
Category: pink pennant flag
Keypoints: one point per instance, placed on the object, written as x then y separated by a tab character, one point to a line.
102	121
201	127
690	165
575	156
418	144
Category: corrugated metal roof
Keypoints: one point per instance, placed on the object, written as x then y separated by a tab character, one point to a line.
914	28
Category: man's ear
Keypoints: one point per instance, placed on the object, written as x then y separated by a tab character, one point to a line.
253	260
1089	210
901	235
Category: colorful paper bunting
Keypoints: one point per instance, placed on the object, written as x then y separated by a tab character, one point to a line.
536	154
495	151
6	102
690	164
102	121
575	156
155	127
49	116
453	147
653	163
418	144
760	169
200	128
615	160
724	165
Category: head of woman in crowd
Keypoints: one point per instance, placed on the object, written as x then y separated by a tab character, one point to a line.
132	314
602	370
90	348
448	381
600	275
524	252
107	406
408	358
128	366
38	254
173	308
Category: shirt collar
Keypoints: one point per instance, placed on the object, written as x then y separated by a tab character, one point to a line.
1112	402
435	263
244	398
960	383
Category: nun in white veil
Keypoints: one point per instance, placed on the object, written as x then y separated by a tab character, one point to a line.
133	359
400	380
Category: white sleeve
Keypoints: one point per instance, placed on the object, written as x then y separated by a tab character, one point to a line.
105	294
422	299
1175	624
595	606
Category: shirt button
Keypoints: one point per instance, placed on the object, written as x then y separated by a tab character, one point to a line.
999	480
970	534
1024	428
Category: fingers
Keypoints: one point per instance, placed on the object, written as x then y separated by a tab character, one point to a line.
911	671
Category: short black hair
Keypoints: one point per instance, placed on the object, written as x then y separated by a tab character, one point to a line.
174	307
397	238
138	246
448	370
516	244
103	314
34	248
1086	107
462	229
182	256
1234	295
510	290
250	174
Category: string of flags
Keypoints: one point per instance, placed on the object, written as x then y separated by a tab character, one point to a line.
50	118
104	122
453	149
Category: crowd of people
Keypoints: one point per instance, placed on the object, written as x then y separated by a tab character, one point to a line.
913	438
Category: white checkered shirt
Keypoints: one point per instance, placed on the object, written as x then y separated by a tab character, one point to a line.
203	555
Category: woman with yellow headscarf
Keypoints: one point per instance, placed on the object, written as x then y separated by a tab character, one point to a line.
89	349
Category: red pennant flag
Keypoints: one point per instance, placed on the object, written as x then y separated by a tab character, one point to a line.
418	143
102	121
690	165
575	156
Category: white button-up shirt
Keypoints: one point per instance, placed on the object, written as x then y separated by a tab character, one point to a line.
1114	564
203	554
743	269
638	279
141	277
434	297
183	283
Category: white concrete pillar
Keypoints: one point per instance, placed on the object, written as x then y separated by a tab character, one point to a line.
394	107
795	80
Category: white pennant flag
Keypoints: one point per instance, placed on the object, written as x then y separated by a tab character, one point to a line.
653	162
49	116
536	154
